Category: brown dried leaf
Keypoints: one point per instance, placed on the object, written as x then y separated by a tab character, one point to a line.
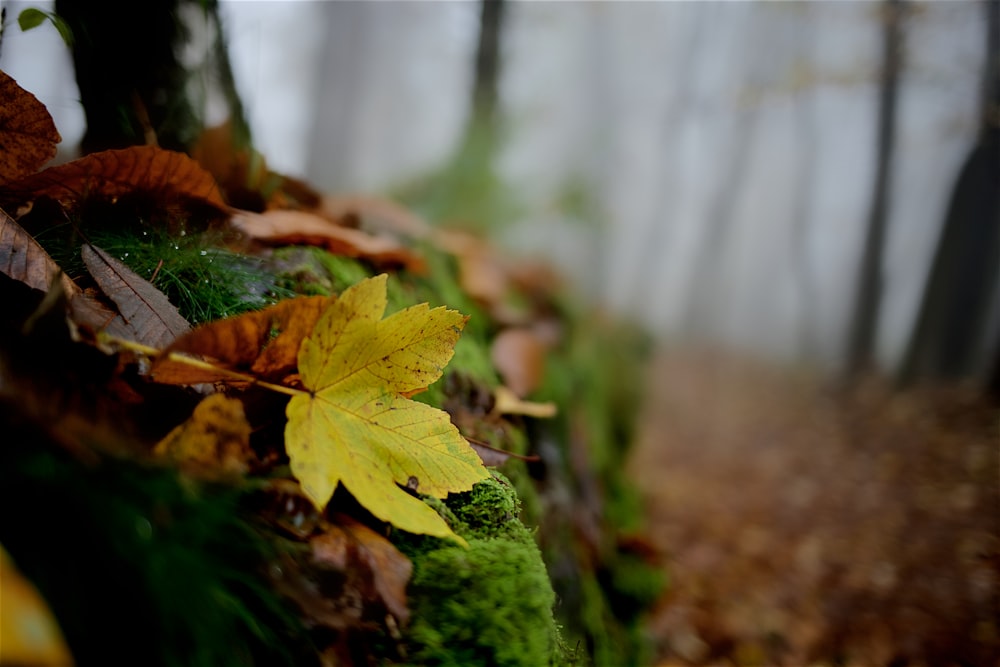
480	272
303	228
28	137
241	174
375	214
167	176
215	439
352	547
264	343
501	284
151	317
519	356
23	259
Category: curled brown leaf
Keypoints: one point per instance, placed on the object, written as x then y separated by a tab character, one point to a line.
264	343
286	227
167	176
28	136
380	570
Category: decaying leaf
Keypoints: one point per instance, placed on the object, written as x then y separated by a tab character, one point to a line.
28	136
285	227
21	258
165	175
374	214
147	312
511	289
518	353
241	173
216	438
264	343
354	425
480	272
385	571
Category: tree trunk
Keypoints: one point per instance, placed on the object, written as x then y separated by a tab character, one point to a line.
133	86
864	323
957	334
485	89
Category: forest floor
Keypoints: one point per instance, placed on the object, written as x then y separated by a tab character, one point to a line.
805	525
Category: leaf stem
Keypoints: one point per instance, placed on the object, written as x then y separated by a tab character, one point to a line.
204	365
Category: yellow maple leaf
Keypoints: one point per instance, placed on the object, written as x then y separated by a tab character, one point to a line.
356	427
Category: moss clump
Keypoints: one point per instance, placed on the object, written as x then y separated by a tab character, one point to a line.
490	603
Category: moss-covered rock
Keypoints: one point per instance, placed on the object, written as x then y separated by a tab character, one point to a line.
487	604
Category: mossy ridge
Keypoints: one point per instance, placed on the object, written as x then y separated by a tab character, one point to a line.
596	379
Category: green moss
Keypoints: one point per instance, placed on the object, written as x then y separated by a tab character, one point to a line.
204	280
490	603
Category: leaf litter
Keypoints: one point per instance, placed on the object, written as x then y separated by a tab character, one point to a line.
351	422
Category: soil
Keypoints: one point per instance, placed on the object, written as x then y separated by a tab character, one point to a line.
810	525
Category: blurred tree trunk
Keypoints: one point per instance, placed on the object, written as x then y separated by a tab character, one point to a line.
957	333
868	291
485	90
133	85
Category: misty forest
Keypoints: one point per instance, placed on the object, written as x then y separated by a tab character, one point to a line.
500	333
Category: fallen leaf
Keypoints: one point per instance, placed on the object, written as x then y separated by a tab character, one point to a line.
354	425
375	214
514	291
506	402
350	546
241	173
29	634
28	136
147	312
287	227
264	343
480	272
518	354
216	438
23	259
165	175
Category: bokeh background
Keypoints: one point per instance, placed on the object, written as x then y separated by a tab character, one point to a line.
713	170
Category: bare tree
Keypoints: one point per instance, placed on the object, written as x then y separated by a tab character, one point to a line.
957	333
864	322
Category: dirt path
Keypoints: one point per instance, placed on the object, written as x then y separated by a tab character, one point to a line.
805	527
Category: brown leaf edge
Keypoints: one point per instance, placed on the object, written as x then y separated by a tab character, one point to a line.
28	135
